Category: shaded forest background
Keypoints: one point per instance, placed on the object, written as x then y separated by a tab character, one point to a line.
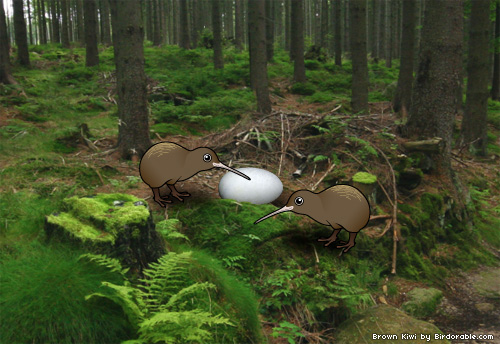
387	95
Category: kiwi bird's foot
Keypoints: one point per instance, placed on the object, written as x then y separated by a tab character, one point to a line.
177	194
162	201
347	246
328	240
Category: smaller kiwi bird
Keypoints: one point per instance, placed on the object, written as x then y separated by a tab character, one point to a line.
167	163
340	206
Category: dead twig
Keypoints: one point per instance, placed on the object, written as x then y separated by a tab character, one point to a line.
282	143
324	175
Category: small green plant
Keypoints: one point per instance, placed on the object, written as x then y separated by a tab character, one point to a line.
232	262
287	331
303	88
366	148
162	308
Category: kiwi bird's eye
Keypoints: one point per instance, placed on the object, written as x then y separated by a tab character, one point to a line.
299	201
207	157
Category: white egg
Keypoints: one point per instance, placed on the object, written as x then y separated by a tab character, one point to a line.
264	186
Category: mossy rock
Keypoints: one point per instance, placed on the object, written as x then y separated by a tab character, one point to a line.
388	321
364	178
119	225
422	302
488	283
227	228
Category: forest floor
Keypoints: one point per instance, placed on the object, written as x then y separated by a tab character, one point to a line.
49	158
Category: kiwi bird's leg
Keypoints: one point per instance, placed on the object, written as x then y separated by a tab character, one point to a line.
350	244
332	238
161	201
176	193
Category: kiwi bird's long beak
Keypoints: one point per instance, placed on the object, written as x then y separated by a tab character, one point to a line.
281	210
221	165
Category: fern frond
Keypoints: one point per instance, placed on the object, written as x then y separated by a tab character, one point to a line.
112	264
128	298
192	289
179	327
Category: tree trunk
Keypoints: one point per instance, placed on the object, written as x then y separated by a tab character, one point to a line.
228	19
402	98
238	25
288	26
269	29
476	105
495	84
390	15
324	24
149	19
156	23
184	27
65	21
29	23
258	63
382	31
44	22
5	76
347	29
338	32
436	94
195	23
106	32
55	22
128	31
20	33
80	22
92	54
278	23
217	31
357	15
297	36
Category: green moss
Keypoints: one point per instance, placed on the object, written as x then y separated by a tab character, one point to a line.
79	229
364	178
100	211
422	302
227	227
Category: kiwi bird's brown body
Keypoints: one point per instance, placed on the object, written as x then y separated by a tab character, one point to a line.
168	163
165	162
341	206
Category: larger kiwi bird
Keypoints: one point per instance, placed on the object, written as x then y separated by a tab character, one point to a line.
340	206
169	163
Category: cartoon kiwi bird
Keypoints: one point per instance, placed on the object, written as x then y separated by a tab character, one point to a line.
340	206
168	163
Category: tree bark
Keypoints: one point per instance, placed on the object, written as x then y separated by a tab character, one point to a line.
55	21
297	36
80	27
106	32
184	27
324	24
29	24
402	98
228	19
5	75
437	89
156	23
495	84
128	31
288	26
44	22
269	29
357	15
65	22
338	33
20	33
391	28
90	18
258	63
238	25
476	106
217	31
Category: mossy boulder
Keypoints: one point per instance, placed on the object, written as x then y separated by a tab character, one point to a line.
227	227
488	283
422	302
119	225
384	320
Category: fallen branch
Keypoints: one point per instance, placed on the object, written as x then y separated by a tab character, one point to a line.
324	176
434	145
282	143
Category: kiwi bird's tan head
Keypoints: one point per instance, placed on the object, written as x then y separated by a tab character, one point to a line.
203	159
302	202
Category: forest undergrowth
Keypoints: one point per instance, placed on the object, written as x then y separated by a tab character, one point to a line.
57	131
